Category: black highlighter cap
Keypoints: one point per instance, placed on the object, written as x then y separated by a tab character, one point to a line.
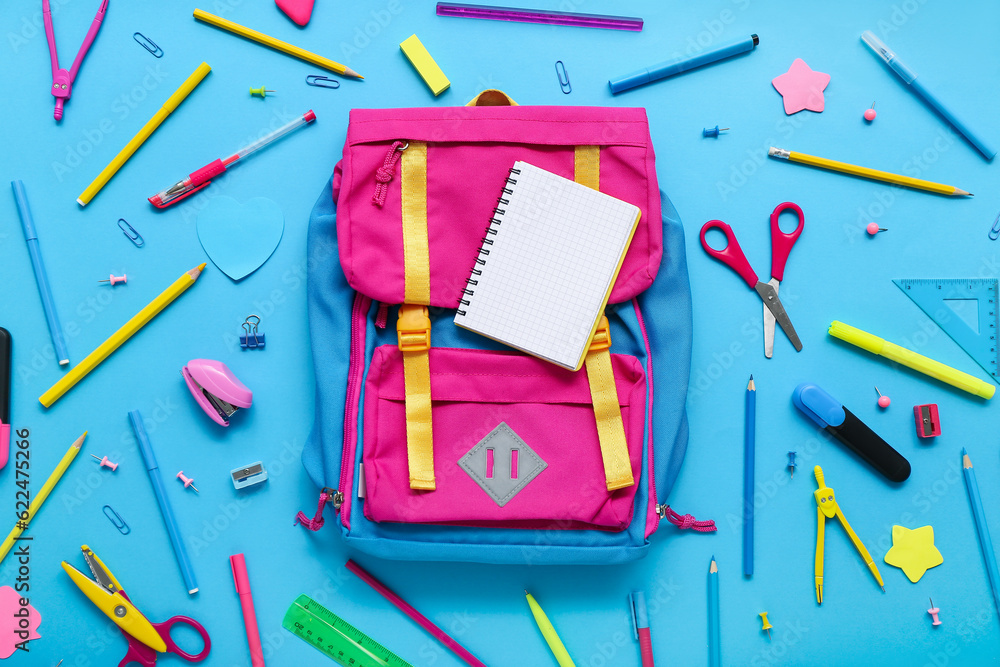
5	367
756	39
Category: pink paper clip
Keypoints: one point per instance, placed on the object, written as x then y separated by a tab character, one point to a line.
62	80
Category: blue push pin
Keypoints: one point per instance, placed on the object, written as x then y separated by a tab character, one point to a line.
712	131
791	463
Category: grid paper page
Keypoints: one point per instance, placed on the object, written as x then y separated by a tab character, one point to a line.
550	268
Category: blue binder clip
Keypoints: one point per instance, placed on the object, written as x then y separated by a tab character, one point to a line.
249	475
251	339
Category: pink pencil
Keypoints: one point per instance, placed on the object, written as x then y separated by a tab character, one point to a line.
421	620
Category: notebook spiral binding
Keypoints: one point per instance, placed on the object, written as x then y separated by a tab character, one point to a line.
490	229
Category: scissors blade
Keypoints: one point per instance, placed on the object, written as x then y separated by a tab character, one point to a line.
769	323
771	300
103	578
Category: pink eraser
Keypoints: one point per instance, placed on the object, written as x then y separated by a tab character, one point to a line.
299	11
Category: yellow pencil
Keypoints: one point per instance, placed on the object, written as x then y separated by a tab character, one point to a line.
36	502
549	633
865	172
104	350
275	44
132	146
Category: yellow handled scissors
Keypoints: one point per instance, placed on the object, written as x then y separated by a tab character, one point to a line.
827	508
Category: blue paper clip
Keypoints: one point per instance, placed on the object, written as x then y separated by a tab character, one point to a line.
995	231
116	520
148	44
250	339
322	81
563	77
130	232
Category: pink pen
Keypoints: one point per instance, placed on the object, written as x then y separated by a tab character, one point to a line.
246	601
62	80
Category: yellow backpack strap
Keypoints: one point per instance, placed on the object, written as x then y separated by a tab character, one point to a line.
414	325
603	393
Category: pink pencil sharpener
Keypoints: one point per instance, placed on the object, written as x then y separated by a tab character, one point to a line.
216	390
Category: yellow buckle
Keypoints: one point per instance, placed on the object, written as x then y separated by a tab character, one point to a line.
602	337
413	328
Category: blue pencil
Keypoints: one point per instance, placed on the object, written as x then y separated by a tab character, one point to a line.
714	638
749	444
161	498
42	278
981	528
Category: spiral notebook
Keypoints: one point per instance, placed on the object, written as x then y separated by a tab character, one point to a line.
546	266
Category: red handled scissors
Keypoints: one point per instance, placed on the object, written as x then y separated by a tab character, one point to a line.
145	639
781	245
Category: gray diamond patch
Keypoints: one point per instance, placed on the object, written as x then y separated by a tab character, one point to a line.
508	477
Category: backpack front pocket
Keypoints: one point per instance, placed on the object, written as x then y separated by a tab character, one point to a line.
515	443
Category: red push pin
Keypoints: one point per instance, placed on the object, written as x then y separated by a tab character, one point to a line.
187	481
116	279
883	401
934	611
874	229
105	463
870	113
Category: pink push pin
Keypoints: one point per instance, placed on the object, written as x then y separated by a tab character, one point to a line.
874	229
116	279
870	113
187	481
934	611
105	463
883	401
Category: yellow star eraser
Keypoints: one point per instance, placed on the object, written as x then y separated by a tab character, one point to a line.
421	60
913	551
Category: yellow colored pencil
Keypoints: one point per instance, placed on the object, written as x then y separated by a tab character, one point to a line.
147	130
104	350
36	502
275	44
865	172
549	633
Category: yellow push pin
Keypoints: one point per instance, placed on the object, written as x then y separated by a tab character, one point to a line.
260	91
767	624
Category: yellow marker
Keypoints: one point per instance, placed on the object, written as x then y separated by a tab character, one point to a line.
422	61
767	624
910	359
549	633
275	44
40	497
865	172
827	507
132	146
104	350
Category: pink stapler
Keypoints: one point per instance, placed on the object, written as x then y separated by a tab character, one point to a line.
62	80
216	389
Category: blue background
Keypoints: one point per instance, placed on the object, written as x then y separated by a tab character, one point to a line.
834	272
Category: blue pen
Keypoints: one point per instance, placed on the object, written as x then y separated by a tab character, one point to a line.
682	64
910	78
51	316
749	445
161	498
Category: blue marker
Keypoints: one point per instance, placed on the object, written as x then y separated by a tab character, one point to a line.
678	65
911	79
51	316
153	468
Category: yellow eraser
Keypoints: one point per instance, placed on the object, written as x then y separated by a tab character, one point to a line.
425	65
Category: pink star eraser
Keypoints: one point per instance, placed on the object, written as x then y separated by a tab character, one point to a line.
801	87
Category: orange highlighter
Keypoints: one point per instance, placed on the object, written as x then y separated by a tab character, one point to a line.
249	616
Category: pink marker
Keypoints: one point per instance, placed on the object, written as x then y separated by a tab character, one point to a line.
242	581
62	80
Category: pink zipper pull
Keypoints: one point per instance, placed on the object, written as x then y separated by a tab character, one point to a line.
382	317
317	521
686	521
383	175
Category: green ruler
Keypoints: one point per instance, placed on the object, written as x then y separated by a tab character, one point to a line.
336	638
